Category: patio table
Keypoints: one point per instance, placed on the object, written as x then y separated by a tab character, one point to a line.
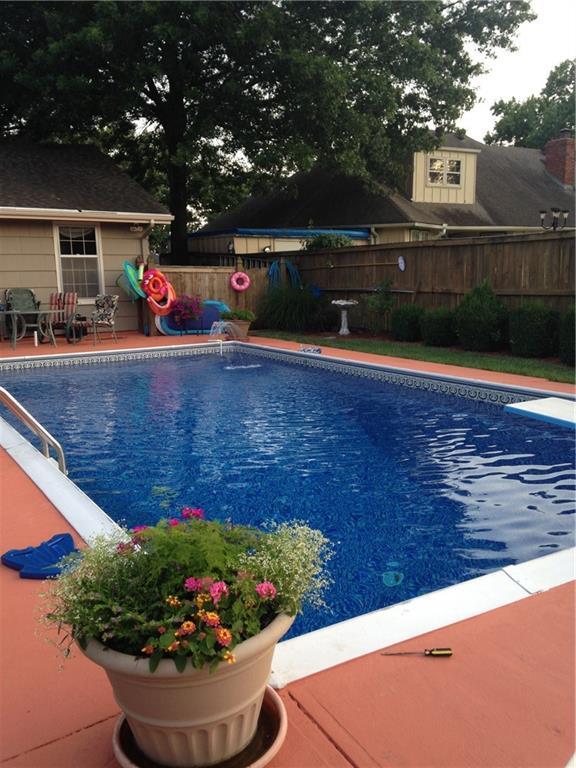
21	323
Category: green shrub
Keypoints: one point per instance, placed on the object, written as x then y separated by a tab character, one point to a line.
376	308
318	242
239	314
438	327
567	337
533	330
405	322
481	320
295	309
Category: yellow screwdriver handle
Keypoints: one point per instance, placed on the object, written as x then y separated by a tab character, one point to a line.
438	652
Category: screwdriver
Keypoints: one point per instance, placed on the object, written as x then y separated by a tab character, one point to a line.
426	652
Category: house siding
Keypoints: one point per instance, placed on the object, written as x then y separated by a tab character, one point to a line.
422	192
28	260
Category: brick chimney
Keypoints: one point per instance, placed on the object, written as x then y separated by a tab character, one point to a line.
559	157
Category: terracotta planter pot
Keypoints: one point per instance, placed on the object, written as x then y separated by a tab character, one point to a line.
241	328
193	718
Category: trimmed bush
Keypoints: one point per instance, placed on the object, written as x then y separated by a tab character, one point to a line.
295	309
567	337
438	327
481	320
405	322
533	330
376	308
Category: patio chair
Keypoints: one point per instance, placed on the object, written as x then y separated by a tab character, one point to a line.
104	314
65	304
22	300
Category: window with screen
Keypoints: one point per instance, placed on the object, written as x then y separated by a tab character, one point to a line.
79	261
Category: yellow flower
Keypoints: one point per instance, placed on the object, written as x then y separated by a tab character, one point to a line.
201	599
148	650
173	601
187	627
173	646
229	658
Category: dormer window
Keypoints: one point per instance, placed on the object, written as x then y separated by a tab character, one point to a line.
443	172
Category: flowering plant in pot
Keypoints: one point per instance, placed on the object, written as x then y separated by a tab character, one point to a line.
186	308
184	617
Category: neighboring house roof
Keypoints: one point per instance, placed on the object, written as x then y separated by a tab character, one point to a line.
69	178
512	186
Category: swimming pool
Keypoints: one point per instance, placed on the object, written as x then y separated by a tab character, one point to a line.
418	490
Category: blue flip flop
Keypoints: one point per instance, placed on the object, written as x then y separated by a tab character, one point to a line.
42	561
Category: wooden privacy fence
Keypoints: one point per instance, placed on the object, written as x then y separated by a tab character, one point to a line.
214	283
440	272
211	283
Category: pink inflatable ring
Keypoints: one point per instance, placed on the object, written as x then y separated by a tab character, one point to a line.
240	281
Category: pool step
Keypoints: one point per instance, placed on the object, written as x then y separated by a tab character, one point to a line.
555	410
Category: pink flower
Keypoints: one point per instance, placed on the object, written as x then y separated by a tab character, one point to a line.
190	513
124	546
174	521
218	589
266	590
138	528
193	585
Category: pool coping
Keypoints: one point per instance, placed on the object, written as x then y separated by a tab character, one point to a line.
338	643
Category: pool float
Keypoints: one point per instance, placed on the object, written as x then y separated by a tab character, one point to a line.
130	283
160	294
211	309
155	284
240	281
164	307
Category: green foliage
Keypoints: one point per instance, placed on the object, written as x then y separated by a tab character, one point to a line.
533	122
567	337
187	589
377	307
318	242
295	309
239	314
222	96
533	330
438	327
405	323
481	319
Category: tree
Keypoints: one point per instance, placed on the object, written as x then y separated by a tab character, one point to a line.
533	122
210	100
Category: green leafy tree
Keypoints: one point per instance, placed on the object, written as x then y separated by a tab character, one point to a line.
533	122
318	242
207	101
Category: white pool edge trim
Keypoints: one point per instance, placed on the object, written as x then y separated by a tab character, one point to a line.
83	514
336	644
347	640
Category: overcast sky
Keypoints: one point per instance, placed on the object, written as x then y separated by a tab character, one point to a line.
542	44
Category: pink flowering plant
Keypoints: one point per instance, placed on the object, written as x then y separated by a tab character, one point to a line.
186	308
187	589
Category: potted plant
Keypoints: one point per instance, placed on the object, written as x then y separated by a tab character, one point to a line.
184	310
184	617
240	319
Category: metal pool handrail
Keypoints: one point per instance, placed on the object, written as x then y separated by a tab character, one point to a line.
26	418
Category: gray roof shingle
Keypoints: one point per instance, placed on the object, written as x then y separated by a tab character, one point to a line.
512	187
68	177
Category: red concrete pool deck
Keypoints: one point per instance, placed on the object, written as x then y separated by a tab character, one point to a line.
505	699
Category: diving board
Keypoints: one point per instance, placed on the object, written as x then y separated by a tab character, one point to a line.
554	410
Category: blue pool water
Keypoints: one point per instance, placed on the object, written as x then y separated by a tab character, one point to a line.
416	490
